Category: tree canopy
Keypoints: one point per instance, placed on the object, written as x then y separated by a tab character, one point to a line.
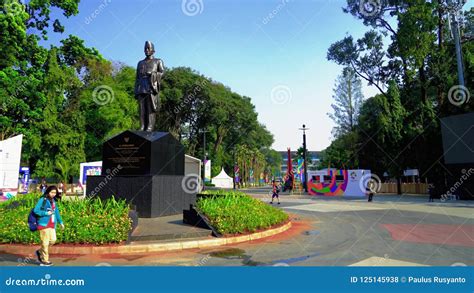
67	100
399	128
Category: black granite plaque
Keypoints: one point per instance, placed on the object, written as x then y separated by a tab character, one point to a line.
143	153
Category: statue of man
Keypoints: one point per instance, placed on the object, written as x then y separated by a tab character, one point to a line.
147	87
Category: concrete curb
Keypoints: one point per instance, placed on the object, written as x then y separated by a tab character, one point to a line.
19	249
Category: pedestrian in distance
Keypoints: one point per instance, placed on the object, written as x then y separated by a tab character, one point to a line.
43	185
275	191
371	187
61	191
431	192
48	217
371	196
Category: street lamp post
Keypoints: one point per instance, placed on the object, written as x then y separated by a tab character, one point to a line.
454	8
233	167
305	182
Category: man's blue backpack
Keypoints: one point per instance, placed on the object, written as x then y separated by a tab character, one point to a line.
33	218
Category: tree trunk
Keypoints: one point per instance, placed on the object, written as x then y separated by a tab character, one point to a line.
220	137
423	83
439	87
351	111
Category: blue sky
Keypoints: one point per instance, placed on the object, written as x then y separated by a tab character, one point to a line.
254	47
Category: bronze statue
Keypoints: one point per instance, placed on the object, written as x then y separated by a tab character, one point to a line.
147	87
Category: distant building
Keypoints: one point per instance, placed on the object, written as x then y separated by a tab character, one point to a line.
313	158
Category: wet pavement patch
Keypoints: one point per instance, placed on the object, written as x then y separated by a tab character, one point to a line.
69	259
122	256
238	254
228	253
311	233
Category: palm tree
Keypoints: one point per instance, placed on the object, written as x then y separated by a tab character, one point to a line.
63	170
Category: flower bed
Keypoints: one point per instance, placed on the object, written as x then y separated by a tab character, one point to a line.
234	212
91	221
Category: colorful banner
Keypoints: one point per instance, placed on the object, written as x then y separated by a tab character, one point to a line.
236	174
25	180
337	182
88	169
300	170
207	171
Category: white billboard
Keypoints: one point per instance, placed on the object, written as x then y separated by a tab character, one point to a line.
10	156
207	171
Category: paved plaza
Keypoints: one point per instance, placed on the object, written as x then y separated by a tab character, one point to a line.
390	231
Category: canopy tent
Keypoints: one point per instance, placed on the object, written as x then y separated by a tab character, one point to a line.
223	180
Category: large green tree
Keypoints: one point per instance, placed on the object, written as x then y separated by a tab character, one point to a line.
413	71
67	99
347	101
35	85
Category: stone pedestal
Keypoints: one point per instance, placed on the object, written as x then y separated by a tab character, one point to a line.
153	196
146	169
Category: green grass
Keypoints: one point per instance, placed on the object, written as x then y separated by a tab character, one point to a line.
90	221
234	212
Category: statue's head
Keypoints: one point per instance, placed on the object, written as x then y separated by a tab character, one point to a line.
149	48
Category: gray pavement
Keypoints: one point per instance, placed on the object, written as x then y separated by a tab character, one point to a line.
166	228
393	230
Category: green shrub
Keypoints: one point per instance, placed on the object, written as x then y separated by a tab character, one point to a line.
234	212
86	221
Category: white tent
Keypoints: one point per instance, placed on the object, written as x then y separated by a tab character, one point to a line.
223	180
